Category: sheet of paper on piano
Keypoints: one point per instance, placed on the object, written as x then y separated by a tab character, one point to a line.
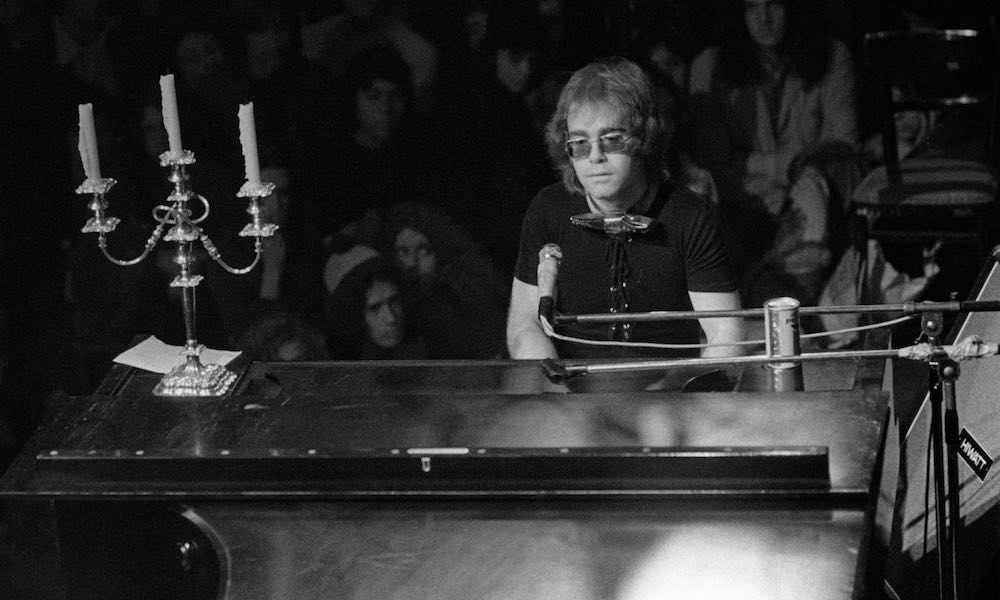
154	355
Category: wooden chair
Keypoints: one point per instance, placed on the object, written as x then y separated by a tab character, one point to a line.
944	190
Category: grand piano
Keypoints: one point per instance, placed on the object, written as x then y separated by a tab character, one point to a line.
455	479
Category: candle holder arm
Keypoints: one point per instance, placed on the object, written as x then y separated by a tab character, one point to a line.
154	239
257	228
214	253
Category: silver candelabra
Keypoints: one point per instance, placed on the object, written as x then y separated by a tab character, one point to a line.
175	223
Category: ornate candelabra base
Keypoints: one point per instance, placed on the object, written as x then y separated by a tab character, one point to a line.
193	379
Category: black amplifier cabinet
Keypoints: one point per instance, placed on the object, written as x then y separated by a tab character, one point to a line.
458	480
912	571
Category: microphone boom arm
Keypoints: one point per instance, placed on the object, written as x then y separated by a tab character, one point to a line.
968	348
907	308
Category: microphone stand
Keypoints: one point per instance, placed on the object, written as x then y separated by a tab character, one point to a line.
942	374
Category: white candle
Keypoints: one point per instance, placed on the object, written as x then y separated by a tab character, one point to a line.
171	122
248	139
88	143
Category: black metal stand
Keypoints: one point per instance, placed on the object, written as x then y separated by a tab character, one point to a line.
944	433
948	375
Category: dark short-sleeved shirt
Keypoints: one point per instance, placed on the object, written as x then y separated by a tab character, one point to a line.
682	251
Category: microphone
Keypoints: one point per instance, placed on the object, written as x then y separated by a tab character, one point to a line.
548	269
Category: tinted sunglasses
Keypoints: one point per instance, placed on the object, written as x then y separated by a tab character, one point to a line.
610	143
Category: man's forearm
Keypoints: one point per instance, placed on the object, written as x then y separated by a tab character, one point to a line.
722	331
525	337
528	342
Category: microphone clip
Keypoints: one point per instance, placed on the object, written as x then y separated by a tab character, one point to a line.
612	223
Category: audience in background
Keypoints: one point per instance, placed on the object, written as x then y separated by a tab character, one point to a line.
377	156
285	274
454	296
365	316
141	42
282	336
82	29
495	133
209	85
775	91
336	40
291	95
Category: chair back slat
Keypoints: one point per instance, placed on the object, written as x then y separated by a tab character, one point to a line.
896	51
930	69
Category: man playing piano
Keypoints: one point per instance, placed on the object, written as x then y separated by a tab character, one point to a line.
639	240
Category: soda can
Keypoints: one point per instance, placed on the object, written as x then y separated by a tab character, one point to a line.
781	328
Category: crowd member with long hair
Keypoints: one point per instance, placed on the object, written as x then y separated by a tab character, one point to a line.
365	315
377	155
455	296
777	91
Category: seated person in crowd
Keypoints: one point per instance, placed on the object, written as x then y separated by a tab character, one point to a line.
279	335
376	157
290	93
495	131
340	37
364	317
777	90
455	296
285	274
607	137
